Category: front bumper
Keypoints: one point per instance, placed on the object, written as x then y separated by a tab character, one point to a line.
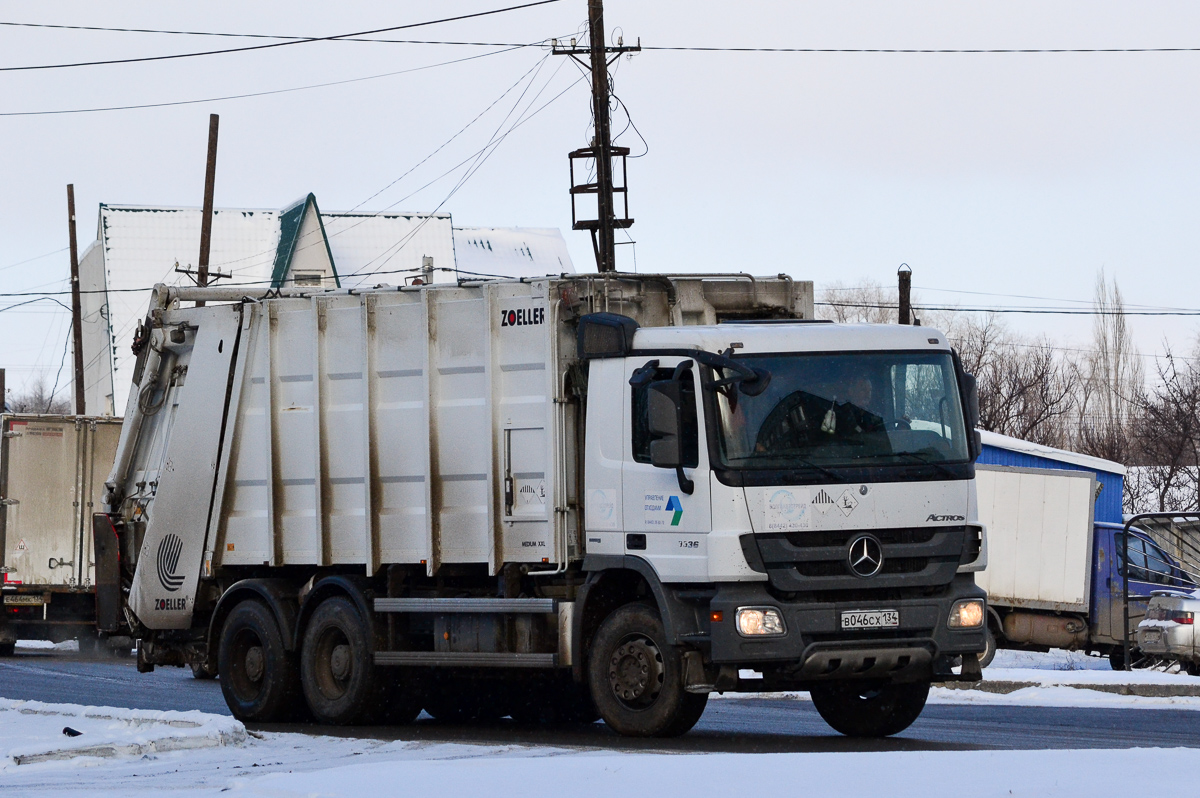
816	648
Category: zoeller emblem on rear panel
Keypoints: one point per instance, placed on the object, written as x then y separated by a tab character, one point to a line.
167	561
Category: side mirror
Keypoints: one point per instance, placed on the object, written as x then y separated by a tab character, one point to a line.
968	387
665	406
665	409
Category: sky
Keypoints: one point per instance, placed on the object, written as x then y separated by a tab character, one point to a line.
1009	175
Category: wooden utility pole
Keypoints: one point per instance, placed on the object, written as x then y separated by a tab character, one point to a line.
603	228
76	305
210	179
905	275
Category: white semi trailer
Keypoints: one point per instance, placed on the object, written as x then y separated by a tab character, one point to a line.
561	498
52	470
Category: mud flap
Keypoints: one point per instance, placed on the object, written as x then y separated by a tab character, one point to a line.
107	547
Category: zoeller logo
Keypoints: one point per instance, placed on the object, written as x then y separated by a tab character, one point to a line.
944	518
519	317
169	549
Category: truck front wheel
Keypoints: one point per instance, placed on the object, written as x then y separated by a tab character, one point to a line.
636	677
870	709
258	675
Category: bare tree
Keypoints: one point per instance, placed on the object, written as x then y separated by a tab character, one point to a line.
36	399
868	303
1027	389
1165	438
872	303
1112	381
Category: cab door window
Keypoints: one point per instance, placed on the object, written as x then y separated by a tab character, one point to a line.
640	425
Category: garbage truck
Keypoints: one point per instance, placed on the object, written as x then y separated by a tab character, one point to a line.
557	499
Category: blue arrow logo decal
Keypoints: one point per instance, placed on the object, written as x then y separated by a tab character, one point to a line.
674	506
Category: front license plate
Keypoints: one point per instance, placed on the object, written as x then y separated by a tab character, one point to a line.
25	601
871	619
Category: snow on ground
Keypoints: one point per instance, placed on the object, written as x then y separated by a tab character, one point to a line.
46	645
33	732
1072	667
281	765
285	765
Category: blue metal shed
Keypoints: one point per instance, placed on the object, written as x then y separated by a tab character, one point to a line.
1002	450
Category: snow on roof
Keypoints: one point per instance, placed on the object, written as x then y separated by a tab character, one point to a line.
512	251
1050	453
142	245
139	246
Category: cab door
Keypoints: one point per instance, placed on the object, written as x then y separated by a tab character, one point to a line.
665	524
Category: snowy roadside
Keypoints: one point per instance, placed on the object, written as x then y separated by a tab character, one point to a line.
285	765
32	732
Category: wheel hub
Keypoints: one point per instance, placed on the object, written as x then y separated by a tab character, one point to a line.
255	663
635	672
340	663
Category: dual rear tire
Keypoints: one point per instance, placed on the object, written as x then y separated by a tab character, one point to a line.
332	677
259	677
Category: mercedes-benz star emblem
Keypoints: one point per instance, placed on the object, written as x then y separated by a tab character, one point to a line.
865	556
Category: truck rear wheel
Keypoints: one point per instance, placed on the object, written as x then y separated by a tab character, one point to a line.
258	675
870	709
342	684
636	677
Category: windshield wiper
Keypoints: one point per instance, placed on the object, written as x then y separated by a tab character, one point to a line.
790	459
920	458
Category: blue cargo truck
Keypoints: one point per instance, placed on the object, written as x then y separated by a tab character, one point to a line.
1055	571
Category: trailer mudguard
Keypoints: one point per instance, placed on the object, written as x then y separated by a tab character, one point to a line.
605	590
280	596
354	588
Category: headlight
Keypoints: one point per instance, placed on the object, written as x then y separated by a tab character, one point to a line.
966	614
755	621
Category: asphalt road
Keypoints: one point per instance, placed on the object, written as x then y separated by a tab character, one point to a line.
739	725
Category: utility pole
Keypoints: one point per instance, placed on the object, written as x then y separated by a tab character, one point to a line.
905	275
604	226
210	179
76	304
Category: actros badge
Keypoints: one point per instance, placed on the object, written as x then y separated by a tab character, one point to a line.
167	561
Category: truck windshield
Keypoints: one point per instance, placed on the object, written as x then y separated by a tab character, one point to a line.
844	410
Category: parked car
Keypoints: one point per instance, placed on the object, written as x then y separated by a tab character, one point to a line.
1168	630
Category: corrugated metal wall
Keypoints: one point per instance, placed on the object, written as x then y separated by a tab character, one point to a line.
1108	503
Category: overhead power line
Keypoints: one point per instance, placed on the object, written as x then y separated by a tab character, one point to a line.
98	109
359	38
1047	311
277	44
225	34
934	51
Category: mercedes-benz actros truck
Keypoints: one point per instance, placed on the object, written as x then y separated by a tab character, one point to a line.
555	499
